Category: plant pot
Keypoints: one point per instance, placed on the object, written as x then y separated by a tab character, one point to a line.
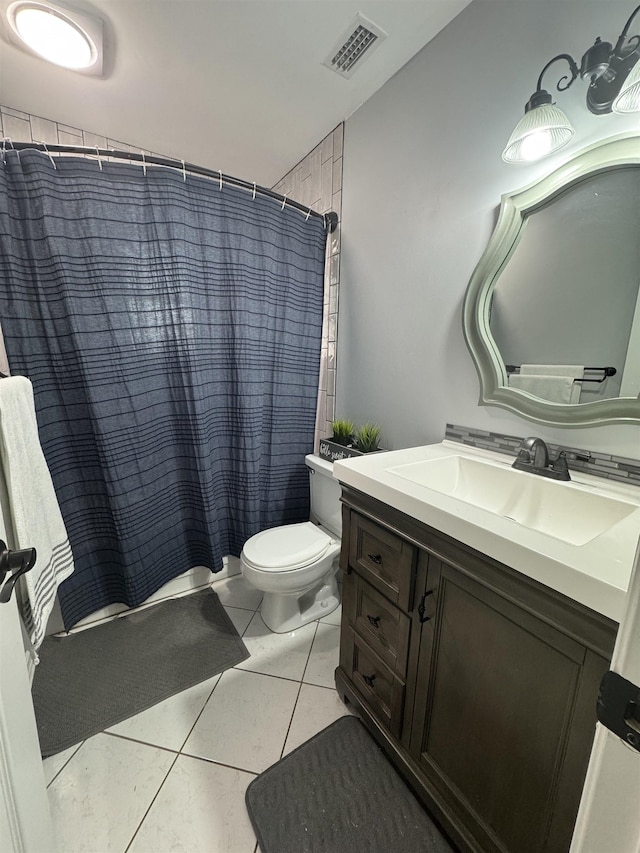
332	451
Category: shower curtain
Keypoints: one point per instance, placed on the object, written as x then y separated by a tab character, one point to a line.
172	331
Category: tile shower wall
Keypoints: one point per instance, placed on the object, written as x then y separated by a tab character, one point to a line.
317	182
22	127
598	464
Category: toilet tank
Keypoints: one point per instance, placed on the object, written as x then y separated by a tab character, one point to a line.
326	508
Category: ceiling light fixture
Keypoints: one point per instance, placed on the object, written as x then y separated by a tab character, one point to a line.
65	38
614	86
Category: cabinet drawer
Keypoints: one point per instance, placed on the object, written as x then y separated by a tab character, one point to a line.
382	690
383	558
383	626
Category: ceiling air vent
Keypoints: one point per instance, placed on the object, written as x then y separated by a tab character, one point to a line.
358	42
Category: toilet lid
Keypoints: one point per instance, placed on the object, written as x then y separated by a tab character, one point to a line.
288	547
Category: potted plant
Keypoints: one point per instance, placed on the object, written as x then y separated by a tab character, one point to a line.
343	432
347	441
367	438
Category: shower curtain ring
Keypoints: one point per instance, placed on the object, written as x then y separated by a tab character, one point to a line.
144	165
46	151
283	203
306	219
184	172
254	190
220	170
99	158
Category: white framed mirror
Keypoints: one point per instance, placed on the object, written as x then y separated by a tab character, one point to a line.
552	311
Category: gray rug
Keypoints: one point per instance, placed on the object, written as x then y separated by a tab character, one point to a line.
96	678
338	793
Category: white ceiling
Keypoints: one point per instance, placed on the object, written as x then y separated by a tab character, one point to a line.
236	85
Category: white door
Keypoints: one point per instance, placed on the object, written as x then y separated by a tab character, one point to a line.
609	816
25	822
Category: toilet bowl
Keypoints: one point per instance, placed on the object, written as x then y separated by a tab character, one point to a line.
295	565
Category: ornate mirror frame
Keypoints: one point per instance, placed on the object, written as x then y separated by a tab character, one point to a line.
617	152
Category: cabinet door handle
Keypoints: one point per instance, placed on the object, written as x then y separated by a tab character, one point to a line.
374	620
375	558
369	679
422	608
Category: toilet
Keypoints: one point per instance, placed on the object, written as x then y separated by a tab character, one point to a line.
295	565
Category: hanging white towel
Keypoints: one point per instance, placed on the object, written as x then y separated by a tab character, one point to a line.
35	514
574	371
555	389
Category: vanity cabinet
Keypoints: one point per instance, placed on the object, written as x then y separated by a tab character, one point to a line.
480	683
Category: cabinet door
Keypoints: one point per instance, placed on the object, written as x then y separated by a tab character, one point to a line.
504	716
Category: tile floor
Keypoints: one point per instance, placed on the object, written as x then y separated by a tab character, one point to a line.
173	778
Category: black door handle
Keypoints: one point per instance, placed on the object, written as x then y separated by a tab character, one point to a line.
422	608
17	562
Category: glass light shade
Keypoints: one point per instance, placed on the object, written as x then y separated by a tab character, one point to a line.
539	132
52	35
628	100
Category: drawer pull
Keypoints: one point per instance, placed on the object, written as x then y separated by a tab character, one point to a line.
375	558
374	620
422	608
369	679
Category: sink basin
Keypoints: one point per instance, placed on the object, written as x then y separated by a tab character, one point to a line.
562	510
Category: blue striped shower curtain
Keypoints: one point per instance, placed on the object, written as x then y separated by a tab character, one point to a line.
172	333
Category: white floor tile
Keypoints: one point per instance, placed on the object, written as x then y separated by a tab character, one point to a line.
334	618
200	809
240	618
236	592
324	657
169	722
245	721
284	655
99	799
54	764
316	709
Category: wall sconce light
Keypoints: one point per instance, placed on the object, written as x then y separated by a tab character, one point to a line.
614	86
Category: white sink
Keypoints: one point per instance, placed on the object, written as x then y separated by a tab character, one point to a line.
579	538
562	510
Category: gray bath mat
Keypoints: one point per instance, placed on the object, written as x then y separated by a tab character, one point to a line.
96	678
338	793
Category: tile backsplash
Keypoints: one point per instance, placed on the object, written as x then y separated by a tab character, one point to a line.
589	462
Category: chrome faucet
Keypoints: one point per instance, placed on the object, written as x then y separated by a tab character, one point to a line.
533	456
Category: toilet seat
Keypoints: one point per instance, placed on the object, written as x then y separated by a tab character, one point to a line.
283	549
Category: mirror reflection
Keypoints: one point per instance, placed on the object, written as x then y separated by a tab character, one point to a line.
566	303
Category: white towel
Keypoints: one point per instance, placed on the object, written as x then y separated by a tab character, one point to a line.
556	389
35	514
575	371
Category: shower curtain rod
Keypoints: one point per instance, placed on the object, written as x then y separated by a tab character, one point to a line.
330	219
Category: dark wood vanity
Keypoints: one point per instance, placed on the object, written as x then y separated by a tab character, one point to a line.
479	683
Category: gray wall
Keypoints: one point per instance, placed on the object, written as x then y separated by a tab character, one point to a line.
423	177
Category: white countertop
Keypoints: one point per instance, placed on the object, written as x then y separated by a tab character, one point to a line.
596	574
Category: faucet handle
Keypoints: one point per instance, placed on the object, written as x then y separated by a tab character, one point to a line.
560	465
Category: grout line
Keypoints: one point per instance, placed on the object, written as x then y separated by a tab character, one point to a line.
53	779
141	742
295	704
201	711
221	764
155	797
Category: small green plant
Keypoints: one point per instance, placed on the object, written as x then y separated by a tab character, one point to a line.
342	432
367	438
